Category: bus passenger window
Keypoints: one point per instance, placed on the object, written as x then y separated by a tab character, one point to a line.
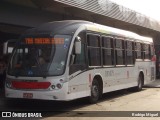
146	51
107	51
138	50
129	53
94	51
119	53
151	51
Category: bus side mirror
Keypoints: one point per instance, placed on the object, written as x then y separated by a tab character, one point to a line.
78	45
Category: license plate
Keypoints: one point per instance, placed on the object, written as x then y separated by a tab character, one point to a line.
28	95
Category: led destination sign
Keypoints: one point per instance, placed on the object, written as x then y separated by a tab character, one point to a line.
44	40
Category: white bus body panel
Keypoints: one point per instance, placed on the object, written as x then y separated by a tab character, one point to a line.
78	84
113	78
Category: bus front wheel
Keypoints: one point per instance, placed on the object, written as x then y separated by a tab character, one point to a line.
95	91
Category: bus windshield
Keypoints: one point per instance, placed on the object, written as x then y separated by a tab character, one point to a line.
40	57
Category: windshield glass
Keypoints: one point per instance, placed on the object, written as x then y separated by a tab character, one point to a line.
35	56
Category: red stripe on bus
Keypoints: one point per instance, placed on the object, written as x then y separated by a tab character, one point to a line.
30	85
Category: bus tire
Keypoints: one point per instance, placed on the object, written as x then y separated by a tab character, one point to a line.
140	82
95	92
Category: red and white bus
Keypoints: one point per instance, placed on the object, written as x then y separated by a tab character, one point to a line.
66	60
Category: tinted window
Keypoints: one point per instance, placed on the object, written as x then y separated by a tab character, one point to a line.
93	40
107	57
94	51
120	57
94	56
107	51
138	51
146	51
151	50
107	42
129	53
119	44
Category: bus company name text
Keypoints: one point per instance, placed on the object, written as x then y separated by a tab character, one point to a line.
109	73
18	115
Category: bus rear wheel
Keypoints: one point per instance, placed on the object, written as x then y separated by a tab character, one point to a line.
95	91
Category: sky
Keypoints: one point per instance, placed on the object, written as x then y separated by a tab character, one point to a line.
150	8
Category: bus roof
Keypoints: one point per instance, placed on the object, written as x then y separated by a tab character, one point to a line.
117	32
58	27
70	27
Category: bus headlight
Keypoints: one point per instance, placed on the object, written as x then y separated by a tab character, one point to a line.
53	86
56	86
8	84
59	86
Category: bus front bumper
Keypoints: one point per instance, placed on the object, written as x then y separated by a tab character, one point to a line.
60	94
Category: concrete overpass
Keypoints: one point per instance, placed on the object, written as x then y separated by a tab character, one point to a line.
18	15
